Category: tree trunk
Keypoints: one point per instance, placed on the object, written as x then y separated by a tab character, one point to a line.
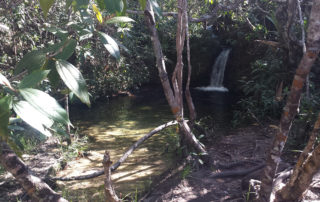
173	94
33	185
192	109
304	170
293	101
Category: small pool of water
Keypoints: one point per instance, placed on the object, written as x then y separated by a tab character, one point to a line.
114	126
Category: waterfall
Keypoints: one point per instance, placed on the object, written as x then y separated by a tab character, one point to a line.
217	74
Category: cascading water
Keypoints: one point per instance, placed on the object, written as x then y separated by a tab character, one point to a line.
217	75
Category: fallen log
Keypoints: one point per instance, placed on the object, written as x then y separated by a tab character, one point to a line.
36	188
122	159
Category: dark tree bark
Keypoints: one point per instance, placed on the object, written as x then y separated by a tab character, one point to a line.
293	101
304	170
33	185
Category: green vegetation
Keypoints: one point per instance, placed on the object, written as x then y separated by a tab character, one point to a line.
56	51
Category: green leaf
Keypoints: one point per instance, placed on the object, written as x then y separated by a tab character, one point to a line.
45	6
110	45
31	61
33	117
72	77
156	8
143	4
62	34
4	81
114	6
45	104
4	115
53	76
119	20
64	49
31	80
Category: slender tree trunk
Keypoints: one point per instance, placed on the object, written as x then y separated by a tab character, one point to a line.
174	93
192	109
66	106
33	185
293	101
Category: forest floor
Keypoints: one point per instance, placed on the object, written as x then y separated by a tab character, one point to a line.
247	144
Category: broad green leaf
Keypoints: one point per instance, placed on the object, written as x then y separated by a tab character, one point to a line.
64	49
45	104
97	12
72	77
4	81
45	6
32	80
33	117
31	61
119	20
80	4
110	45
4	115
143	4
114	6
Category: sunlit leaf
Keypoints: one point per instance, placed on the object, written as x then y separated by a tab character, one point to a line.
110	45
4	81
4	115
33	117
72	77
45	6
31	61
119	20
33	79
45	104
97	12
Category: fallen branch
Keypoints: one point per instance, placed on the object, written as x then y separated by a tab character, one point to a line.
122	159
111	195
237	173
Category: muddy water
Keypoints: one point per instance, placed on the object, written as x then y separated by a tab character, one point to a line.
115	126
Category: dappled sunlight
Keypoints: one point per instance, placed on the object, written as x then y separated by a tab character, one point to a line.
116	135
